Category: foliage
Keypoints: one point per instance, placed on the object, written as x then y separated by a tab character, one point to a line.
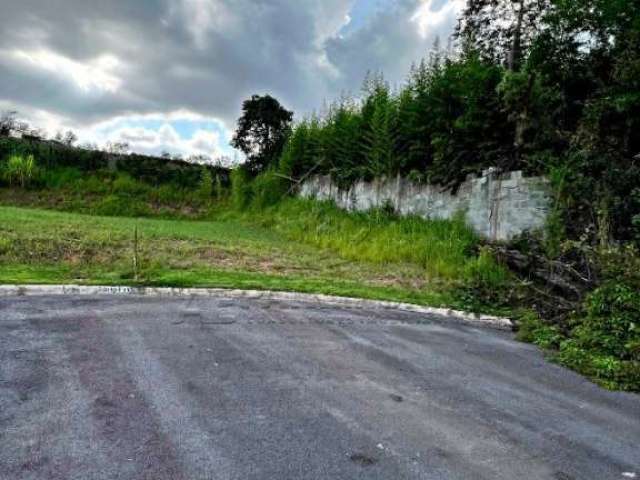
502	30
487	282
19	170
443	250
262	131
268	189
205	189
116	206
241	188
603	338
231	250
55	157
445	123
605	343
537	85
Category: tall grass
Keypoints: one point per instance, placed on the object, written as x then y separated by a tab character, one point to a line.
19	170
445	249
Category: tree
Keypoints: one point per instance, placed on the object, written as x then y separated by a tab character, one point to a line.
122	148
379	139
501	30
69	138
469	131
342	150
262	131
9	124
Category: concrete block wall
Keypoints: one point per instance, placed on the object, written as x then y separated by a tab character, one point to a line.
497	206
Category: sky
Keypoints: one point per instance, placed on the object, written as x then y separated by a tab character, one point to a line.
171	75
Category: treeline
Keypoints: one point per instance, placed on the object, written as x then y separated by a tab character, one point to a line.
52	156
546	86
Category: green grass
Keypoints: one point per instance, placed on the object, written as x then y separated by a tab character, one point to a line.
39	246
434	251
296	245
105	193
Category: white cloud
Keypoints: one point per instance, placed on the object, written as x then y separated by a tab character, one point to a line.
94	75
201	17
429	18
206	142
97	66
164	139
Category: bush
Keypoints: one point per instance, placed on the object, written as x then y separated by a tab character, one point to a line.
205	189
487	281
19	170
612	322
604	341
117	206
64	177
532	330
125	185
94	184
241	190
268	189
168	195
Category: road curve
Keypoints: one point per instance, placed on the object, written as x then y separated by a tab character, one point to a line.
106	387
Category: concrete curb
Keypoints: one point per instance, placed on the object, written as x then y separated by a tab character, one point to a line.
41	290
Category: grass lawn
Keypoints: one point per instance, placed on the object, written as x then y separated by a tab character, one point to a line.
41	246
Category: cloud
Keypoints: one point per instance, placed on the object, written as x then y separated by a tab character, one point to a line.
84	64
181	133
92	75
433	14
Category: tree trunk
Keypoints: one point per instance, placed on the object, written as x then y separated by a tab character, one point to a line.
514	54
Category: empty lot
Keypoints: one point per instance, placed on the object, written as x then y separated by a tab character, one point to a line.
144	388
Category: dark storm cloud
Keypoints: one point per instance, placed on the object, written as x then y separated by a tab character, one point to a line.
92	60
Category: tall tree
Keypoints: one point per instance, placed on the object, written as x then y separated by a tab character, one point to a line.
502	30
262	131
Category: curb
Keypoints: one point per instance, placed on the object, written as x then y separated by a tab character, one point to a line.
168	292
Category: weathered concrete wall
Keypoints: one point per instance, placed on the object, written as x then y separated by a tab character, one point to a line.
496	206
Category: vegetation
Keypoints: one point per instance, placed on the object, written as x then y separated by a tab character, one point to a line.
262	131
549	87
232	250
54	156
19	170
102	192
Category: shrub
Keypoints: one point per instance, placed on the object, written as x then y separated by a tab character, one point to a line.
205	189
268	189
117	206
168	194
604	343
532	330
94	184
487	281
612	322
125	185
241	191
61	177
219	189
19	170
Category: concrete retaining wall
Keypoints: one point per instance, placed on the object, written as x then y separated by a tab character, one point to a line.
497	206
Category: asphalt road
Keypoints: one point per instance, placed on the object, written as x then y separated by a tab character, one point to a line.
143	388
